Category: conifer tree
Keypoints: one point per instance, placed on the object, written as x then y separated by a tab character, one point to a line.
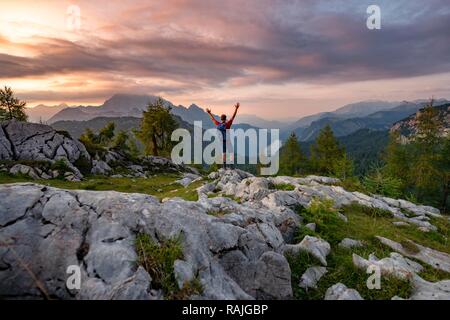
325	151
292	160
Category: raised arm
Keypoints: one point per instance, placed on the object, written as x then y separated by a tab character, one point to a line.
212	117
236	107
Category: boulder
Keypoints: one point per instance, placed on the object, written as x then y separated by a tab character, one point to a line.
425	290
317	247
395	265
311	276
348	243
100	167
24	170
436	259
32	141
340	292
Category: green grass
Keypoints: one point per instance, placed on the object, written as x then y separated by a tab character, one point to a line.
158	260
340	269
284	187
363	224
160	186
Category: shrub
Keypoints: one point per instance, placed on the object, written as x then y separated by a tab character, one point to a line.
64	133
284	187
378	183
84	165
370	211
60	165
158	260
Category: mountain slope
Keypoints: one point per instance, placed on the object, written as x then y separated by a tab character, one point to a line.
408	126
76	128
381	120
43	113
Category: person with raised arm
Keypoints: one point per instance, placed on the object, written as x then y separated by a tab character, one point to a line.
222	126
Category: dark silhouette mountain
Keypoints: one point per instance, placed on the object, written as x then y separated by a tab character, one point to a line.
381	120
353	110
41	113
76	128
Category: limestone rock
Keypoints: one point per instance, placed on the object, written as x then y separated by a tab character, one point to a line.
100	167
311	276
425	290
436	259
24	170
317	247
188	178
32	141
395	265
340	292
235	256
348	243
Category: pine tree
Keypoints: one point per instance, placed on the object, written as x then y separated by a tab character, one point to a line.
427	146
292	160
156	128
325	151
444	169
106	134
343	167
397	159
11	107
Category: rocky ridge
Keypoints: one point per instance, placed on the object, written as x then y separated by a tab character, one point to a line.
235	247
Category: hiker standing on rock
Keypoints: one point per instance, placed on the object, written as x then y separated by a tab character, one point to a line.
223	126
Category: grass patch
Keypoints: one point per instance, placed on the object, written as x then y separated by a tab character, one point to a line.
284	187
363	224
409	247
370	211
158	260
218	213
341	269
160	186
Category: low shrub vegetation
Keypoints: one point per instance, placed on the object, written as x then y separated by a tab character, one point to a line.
158	260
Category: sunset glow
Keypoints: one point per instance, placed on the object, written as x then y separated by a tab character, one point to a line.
279	58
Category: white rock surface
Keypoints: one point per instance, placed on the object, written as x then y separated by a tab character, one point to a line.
236	256
340	292
395	265
311	276
436	259
348	243
317	247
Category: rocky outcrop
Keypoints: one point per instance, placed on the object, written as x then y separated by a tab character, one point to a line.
32	141
395	265
317	247
425	290
264	190
234	248
434	258
235	255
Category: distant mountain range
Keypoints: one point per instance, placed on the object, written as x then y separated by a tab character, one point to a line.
372	114
42	113
345	125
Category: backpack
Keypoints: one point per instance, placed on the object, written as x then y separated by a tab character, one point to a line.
222	127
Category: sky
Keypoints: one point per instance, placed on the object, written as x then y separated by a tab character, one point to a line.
279	58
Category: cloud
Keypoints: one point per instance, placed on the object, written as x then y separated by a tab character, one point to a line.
232	43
